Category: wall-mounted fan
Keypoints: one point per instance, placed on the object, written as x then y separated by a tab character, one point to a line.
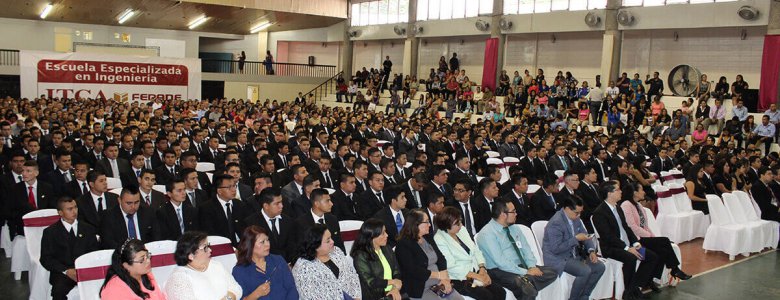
592	19
748	12
482	25
505	24
683	80
625	17
399	30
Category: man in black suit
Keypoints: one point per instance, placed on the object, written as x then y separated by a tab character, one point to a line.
464	203
559	161
64	174
588	191
243	191
225	215
462	171
529	167
177	215
302	204
753	171
373	199
600	165
439	184
127	220
325	174
282	158
150	198
294	189
28	195
662	162
519	198
320	213
582	161
96	200
169	170
211	153
393	215
115	167
283	230
344	199
413	189
543	202
617	241
62	243
483	202
190	160
765	195
361	176
44	160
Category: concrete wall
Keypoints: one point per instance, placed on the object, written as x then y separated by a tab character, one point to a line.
248	44
579	53
696	15
371	54
273	91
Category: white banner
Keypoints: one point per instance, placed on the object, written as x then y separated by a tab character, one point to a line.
96	76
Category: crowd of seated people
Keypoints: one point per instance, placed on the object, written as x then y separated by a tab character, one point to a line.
425	181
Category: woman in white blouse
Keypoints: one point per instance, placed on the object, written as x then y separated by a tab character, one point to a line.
197	276
322	270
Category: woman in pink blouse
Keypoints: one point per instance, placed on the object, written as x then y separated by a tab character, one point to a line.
656	106
637	220
699	135
130	275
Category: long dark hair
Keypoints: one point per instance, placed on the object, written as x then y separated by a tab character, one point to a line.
411	230
371	229
125	254
247	245
311	241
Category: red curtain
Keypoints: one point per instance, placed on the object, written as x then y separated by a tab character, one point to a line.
770	72
491	61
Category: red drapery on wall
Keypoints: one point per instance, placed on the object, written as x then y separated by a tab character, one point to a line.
491	61
770	72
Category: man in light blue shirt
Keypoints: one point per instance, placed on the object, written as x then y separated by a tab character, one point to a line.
508	256
740	111
765	132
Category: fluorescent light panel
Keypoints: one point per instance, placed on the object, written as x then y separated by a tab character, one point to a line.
260	27
129	13
46	11
199	21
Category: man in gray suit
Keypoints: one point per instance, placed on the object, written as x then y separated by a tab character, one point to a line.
408	145
294	189
568	248
509	148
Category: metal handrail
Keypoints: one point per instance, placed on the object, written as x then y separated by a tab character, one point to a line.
322	90
262	68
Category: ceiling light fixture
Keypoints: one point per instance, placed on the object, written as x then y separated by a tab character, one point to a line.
260	27
129	13
199	21
46	11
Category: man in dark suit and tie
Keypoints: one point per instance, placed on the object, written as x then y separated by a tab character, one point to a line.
765	196
529	167
483	202
211	153
519	198
373	199
413	189
225	215
127	220
393	214
588	191
115	167
283	230
320	213
150	198
195	196
177	215
345	198
617	241
662	163
44	160
96	200
600	165
559	161
169	170
543	202
28	195
439	184
462	171
325	174
60	177
465	204
361	176
62	243
282	158
294	189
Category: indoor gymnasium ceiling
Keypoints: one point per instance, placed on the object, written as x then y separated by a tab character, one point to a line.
163	14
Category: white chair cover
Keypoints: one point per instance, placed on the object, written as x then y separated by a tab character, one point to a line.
34	224
678	227
116	191
614	269
91	271
330	191
159	187
162	260
559	173
349	232
492	154
654	229
20	259
553	291
532	188
508	162
774	227
758	231
5	241
683	203
723	234
223	252
204	167
113	183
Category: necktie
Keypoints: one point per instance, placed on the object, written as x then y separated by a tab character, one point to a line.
284	161
274	230
594	191
401	172
131	227
19	179
327	180
771	192
321	221
99	157
114	168
398	222
623	235
84	189
467	217
148	163
231	231
552	200
148	201
138	173
520	200
173	171
181	219
563	161
192	198
443	191
517	249
100	204
67	176
391	180
31	197
72	232
662	165
381	200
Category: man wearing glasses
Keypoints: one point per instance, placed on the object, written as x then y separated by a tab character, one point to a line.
224	216
508	256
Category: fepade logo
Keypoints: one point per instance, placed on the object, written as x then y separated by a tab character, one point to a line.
101	72
117	96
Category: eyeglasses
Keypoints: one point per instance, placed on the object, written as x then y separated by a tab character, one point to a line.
144	259
511	212
226	187
205	247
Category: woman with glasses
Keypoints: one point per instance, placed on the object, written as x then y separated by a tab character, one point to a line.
465	262
130	276
322	270
260	274
197	276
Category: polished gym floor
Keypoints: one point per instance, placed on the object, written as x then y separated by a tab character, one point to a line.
753	278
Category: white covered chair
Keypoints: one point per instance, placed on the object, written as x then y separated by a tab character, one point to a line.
20	258
492	154
653	225
5	241
163	262
678	227
113	183
349	232
760	232
116	191
91	271
159	187
500	164
223	252
559	173
330	191
723	234
615	269
554	291
204	167
753	216
532	188
34	224
684	206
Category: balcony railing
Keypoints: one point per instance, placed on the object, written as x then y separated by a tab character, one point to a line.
9	57
261	68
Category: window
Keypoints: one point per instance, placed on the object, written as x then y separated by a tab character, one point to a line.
452	9
667	2
375	12
542	6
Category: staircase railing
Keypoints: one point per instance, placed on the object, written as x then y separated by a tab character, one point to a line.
324	88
